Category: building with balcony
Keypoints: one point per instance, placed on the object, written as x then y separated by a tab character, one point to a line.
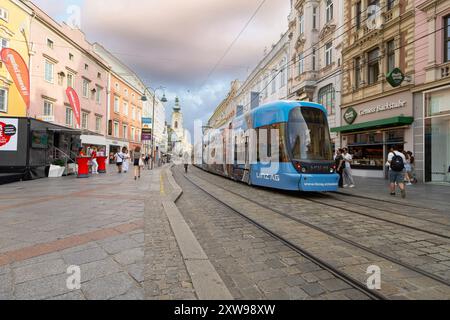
432	91
378	71
316	33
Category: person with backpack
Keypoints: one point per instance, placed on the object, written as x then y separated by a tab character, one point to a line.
396	162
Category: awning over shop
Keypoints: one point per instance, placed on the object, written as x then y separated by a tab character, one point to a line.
382	123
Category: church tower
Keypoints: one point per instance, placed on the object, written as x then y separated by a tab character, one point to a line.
177	120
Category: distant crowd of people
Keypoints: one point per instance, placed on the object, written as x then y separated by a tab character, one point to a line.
401	166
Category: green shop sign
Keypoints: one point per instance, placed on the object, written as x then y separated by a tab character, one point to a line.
395	77
350	115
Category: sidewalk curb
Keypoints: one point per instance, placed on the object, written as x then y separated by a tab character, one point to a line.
207	283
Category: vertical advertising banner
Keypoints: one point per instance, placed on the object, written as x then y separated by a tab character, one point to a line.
74	103
8	134
18	70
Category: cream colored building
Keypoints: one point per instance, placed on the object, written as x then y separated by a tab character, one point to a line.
316	36
376	115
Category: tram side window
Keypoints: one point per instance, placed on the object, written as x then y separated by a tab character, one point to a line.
266	146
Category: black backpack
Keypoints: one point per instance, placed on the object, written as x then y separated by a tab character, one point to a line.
397	163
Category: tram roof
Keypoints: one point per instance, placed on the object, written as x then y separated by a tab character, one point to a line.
276	112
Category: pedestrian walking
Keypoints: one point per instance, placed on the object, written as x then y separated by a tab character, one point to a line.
408	168
186	158
137	161
146	161
339	161
94	161
126	161
412	161
396	163
119	158
347	173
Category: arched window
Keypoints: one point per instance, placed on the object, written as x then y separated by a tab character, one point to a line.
327	98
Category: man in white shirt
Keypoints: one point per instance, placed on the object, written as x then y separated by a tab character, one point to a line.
396	162
347	174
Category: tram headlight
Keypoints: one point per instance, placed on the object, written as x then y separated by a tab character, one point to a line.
304	170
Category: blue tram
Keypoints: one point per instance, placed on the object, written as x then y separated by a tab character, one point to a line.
304	161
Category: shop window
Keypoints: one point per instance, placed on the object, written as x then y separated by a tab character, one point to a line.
327	98
373	66
437	103
437	149
395	136
447	38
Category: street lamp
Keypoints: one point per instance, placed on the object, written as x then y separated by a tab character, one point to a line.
144	99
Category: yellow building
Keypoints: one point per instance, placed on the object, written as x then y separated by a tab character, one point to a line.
14	33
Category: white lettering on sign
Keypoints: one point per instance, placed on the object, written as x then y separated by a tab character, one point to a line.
383	107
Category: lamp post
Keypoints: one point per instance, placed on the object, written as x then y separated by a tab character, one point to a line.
144	99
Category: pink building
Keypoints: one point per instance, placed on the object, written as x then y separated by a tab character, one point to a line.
61	57
432	90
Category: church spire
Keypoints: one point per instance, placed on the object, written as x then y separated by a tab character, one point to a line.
177	107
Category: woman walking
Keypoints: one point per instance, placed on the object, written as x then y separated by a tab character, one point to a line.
94	161
137	158
126	161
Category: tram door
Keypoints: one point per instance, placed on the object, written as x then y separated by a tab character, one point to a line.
246	177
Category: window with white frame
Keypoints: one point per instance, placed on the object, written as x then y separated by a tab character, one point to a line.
49	71
50	43
274	81
313	58
4	43
283	74
116	129
125	131
125	108
98	123
133	113
85	120
301	24
314	16
48	108
69	117
126	92
328	53
85	88
139	115
301	64
4	14
138	135
98	94
133	134
3	100
70	80
116	104
329	10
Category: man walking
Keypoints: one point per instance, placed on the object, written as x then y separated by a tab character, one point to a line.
347	174
396	162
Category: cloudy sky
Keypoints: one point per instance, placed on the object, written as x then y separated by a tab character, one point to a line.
176	43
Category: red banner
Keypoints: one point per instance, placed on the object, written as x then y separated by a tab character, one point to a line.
74	103
18	70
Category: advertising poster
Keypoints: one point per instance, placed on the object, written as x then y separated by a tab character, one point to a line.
18	70
8	134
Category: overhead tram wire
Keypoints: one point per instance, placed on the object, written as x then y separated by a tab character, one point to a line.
233	43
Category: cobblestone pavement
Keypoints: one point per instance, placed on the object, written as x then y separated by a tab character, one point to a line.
252	264
97	224
429	252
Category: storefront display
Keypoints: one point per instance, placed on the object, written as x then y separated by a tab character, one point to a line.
437	136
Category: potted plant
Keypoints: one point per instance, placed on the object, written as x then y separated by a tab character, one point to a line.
57	168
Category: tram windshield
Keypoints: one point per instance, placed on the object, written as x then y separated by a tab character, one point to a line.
309	135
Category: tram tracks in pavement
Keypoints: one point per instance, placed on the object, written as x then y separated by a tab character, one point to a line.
335	196
336	236
354	283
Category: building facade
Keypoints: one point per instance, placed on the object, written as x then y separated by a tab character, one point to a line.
378	68
432	91
15	18
227	109
316	33
62	58
268	81
125	106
